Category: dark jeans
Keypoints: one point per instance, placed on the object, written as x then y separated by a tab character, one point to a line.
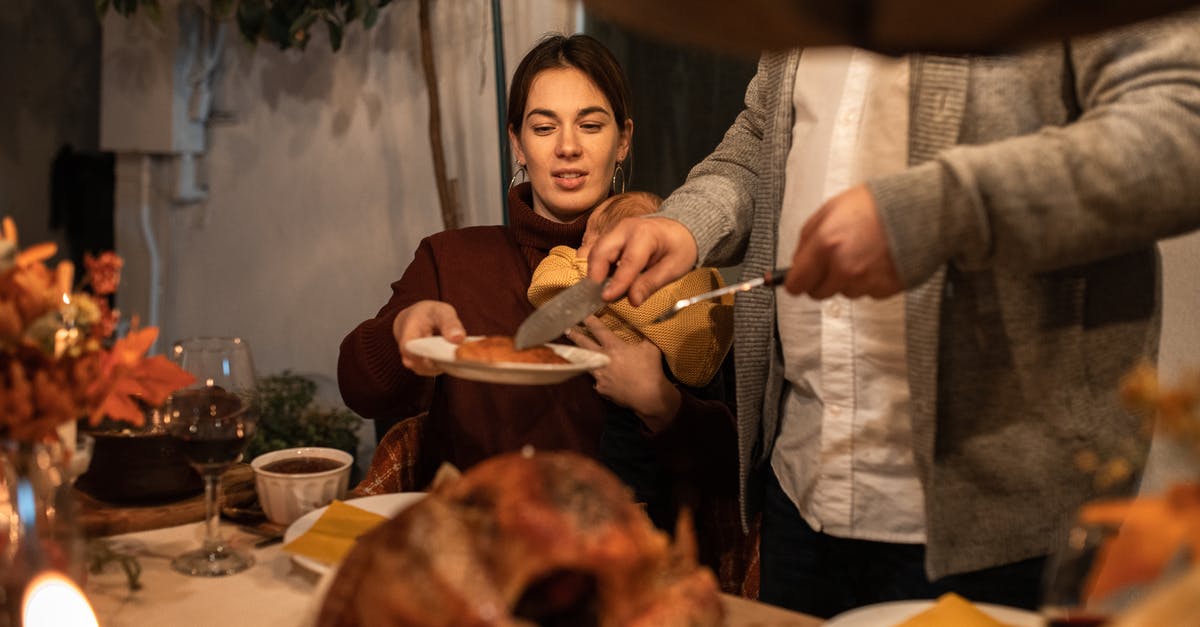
815	573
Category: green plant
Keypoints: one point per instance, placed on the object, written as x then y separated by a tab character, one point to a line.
288	417
285	23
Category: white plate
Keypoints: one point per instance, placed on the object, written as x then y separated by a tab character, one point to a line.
888	614
383	504
441	352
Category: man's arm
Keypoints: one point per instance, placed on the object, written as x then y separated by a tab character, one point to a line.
1123	175
713	206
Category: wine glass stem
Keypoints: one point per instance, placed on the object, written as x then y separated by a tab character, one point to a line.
212	513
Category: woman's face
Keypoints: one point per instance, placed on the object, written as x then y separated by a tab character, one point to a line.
569	142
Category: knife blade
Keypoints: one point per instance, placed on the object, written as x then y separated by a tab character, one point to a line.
565	310
770	278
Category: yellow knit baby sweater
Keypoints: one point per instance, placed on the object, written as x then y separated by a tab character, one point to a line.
694	341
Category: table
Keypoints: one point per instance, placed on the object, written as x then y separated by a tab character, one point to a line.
273	593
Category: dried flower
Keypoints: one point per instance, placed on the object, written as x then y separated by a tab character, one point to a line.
1155	531
1177	408
58	362
105	272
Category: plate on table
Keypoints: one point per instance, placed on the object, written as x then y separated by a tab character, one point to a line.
441	352
383	504
892	613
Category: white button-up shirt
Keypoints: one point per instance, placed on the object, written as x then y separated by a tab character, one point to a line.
844	451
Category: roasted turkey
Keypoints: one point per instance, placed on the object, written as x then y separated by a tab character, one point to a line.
524	539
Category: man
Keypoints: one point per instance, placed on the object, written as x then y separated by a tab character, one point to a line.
1002	214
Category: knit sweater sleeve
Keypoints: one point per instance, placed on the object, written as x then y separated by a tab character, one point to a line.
1125	173
716	201
372	379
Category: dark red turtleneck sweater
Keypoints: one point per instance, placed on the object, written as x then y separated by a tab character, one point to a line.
484	273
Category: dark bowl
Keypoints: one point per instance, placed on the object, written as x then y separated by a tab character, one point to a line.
138	467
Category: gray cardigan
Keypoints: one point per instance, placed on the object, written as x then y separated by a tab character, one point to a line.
1025	231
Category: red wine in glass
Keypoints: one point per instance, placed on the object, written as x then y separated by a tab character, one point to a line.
212	427
212	454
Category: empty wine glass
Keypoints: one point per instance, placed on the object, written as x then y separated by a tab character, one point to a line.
213	421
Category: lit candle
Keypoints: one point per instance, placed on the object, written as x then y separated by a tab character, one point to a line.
66	337
53	600
61	338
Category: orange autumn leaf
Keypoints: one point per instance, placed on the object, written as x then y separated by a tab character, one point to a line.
130	349
157	377
132	375
1153	531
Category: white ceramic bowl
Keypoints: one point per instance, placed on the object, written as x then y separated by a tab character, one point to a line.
287	496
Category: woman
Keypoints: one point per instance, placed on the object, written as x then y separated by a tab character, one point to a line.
569	126
570	129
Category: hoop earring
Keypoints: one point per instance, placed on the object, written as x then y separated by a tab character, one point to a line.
621	171
521	173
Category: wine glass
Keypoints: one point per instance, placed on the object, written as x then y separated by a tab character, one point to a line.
1066	602
213	420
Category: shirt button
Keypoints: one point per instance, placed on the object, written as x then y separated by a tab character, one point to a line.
833	309
834	410
849	117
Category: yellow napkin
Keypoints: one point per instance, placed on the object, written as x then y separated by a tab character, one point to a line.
951	610
334	533
694	342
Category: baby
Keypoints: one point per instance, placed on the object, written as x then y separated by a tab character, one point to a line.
693	342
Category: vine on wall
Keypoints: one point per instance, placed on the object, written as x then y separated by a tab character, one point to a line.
285	23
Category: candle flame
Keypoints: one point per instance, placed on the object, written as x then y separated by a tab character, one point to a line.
66	298
52	600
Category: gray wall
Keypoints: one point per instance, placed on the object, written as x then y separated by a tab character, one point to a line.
49	95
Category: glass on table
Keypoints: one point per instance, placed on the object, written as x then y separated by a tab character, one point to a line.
1067	601
213	421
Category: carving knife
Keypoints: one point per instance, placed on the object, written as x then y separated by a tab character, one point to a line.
565	310
770	278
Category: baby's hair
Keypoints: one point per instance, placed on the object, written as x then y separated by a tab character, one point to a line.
624	205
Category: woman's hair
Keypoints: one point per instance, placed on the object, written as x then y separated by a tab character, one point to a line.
581	52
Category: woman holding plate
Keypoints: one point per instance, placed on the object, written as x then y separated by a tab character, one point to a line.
570	129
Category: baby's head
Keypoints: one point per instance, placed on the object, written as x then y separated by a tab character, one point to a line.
607	214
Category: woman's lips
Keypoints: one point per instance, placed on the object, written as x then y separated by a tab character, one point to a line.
570	181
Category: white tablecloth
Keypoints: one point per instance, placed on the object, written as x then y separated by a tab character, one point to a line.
273	593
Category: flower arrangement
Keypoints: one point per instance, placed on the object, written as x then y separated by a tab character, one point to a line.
59	361
1159	535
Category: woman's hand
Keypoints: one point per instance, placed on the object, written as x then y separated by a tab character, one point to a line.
634	376
424	319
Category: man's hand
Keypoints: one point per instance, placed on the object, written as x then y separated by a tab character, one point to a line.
843	250
648	252
634	376
424	319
